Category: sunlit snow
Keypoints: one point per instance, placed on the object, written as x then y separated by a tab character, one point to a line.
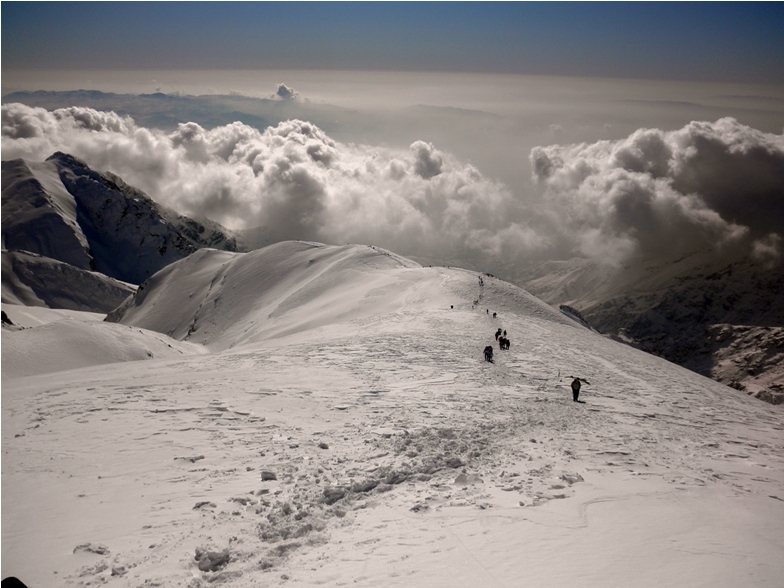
336	424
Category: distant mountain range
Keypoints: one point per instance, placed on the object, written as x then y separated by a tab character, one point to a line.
167	111
159	110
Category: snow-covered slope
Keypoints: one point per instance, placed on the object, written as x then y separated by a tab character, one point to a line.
62	209
33	280
222	299
676	309
35	316
73	344
354	435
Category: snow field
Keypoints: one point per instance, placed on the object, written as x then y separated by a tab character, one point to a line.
399	457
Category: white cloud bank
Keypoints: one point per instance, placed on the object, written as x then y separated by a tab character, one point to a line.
655	193
292	180
660	193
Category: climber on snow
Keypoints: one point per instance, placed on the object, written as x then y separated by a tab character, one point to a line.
489	353
576	387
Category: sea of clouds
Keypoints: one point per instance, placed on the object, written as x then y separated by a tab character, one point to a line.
291	179
655	193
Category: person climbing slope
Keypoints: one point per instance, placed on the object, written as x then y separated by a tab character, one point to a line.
576	387
489	353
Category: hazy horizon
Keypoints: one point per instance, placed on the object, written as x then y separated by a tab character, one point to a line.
502	94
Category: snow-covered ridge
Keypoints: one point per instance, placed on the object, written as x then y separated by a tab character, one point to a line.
39	214
64	210
218	299
222	299
34	280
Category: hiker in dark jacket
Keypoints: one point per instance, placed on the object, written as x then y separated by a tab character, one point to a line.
576	387
489	353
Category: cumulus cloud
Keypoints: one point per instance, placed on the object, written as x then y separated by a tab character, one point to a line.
428	161
294	181
659	194
22	122
655	193
285	93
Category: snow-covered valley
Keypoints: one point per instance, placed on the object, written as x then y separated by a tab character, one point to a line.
329	420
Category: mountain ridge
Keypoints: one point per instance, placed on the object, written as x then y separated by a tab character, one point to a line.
235	299
107	225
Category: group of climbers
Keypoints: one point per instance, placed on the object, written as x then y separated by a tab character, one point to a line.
504	344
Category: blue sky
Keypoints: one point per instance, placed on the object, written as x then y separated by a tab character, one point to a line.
734	42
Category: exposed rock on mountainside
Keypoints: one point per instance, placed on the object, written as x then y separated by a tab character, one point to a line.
747	358
574	314
64	210
722	322
39	215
